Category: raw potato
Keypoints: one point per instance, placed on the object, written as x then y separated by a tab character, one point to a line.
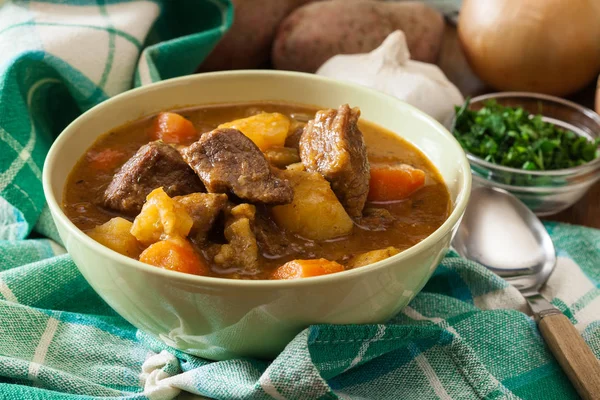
315	213
372	257
248	43
160	218
312	34
115	234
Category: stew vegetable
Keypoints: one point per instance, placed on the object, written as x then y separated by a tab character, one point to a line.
256	191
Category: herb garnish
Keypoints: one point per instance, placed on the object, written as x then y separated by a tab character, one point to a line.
514	138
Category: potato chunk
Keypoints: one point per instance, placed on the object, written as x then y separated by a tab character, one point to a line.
265	129
315	213
281	157
372	257
176	254
115	234
296	167
161	217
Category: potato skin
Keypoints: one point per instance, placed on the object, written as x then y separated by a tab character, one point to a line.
312	34
315	213
248	42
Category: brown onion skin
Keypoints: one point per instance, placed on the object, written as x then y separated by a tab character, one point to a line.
545	46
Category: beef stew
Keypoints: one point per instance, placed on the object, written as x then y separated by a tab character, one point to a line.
256	191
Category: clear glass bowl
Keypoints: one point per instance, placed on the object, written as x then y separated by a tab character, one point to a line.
545	192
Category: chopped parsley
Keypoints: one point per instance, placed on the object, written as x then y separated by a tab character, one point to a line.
514	138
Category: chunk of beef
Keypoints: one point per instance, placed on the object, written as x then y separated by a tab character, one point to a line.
155	165
293	140
333	145
241	251
273	241
376	219
204	208
225	159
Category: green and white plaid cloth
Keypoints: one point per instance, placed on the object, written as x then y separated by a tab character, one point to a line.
465	336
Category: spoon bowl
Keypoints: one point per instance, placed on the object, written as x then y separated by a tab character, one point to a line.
500	232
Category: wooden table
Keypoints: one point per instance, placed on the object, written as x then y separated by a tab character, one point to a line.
452	61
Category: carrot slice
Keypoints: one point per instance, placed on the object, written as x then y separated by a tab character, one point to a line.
173	128
305	268
390	183
105	160
176	254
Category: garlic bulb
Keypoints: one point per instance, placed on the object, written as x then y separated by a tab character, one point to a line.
389	69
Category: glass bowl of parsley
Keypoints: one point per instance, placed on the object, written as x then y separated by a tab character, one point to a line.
543	149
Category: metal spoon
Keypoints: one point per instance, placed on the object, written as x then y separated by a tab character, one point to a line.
501	233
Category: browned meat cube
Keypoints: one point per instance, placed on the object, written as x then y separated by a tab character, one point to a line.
204	208
273	241
225	159
376	219
333	145
293	140
155	165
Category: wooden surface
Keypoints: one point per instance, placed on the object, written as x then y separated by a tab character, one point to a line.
453	63
572	353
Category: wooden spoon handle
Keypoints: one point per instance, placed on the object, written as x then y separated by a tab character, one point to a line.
573	354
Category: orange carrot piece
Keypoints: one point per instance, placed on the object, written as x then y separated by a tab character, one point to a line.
176	254
105	160
173	128
305	268
389	183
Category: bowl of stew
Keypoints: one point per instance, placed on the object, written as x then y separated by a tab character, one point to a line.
223	213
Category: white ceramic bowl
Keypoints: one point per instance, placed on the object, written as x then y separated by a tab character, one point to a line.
221	318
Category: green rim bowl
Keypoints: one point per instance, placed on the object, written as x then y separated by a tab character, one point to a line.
220	318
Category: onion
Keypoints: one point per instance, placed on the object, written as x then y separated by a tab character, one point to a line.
547	46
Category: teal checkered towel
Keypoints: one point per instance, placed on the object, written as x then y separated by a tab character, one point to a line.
466	335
